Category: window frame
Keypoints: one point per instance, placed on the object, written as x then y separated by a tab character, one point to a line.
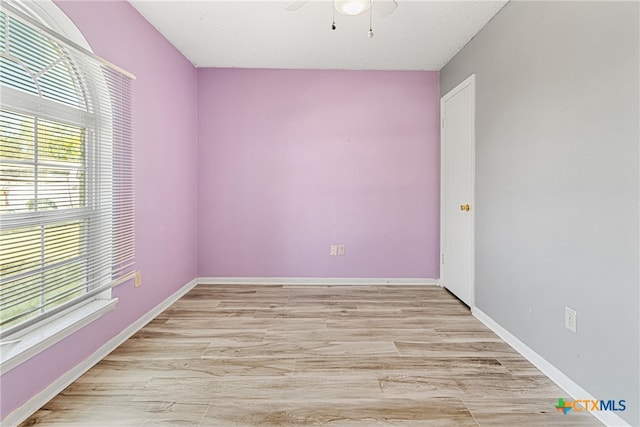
20	346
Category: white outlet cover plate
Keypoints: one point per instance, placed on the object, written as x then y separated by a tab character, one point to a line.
570	319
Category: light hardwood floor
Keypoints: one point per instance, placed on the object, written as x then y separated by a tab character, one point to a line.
245	355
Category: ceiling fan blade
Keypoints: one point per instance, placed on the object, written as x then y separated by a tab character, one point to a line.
385	7
296	5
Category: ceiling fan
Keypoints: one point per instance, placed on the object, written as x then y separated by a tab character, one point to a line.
354	7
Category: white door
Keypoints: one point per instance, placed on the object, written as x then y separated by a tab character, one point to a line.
457	110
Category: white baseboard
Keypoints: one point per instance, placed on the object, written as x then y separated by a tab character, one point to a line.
329	281
53	389
564	382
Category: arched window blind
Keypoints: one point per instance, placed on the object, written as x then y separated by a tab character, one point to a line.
66	174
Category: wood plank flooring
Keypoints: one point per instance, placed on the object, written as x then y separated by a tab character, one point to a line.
245	355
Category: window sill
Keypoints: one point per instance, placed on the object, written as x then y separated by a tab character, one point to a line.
15	351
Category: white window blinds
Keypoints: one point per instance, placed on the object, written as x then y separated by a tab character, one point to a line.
66	174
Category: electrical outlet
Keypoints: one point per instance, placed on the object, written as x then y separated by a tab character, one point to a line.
334	250
340	250
137	281
570	319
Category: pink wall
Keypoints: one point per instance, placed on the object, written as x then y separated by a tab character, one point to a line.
258	171
165	138
293	161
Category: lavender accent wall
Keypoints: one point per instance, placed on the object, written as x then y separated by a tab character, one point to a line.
259	172
165	138
292	161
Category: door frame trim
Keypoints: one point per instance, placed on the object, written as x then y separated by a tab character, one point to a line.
469	81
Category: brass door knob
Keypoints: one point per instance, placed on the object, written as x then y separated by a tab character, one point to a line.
465	208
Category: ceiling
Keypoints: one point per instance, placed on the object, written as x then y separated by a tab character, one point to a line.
419	35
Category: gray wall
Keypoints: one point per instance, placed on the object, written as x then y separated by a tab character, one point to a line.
557	184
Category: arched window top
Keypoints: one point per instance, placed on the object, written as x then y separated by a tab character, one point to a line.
66	171
39	65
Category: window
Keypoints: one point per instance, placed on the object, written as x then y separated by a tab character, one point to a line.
44	169
66	175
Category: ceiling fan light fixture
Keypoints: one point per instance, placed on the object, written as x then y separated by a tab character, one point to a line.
352	7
